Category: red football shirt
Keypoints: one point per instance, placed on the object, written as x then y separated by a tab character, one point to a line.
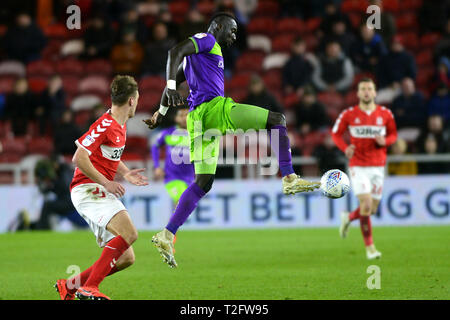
105	142
363	127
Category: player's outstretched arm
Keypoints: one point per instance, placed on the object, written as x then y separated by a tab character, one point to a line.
82	161
132	176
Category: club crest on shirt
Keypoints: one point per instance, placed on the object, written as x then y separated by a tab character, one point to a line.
200	35
379	121
357	120
221	64
88	140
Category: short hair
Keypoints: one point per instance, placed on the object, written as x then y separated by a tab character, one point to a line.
367	79
221	14
122	88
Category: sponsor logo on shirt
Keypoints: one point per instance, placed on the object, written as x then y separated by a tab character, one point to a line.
200	35
367	131
88	140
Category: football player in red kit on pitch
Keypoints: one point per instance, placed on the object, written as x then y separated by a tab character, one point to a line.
96	195
372	130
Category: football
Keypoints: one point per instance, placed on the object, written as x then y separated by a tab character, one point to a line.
334	184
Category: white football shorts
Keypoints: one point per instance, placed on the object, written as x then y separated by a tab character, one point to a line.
367	180
97	206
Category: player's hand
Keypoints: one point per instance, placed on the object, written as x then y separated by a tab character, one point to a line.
135	177
115	188
159	174
174	98
350	151
380	140
154	121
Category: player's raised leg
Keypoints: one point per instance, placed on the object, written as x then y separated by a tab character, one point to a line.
247	117
365	205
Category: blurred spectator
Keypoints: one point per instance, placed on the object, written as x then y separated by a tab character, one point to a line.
387	22
439	103
331	16
334	70
430	146
98	39
20	107
368	49
442	73
433	15
310	114
297	70
244	9
259	96
52	103
195	23
392	69
340	33
173	29
96	112
131	20
409	107
126	56
400	148
442	48
156	52
65	134
24	41
329	156
435	127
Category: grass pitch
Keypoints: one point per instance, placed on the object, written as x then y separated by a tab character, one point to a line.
240	264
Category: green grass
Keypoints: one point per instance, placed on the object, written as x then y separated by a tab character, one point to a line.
241	264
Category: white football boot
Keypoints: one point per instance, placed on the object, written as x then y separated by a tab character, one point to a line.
372	253
345	224
163	241
293	184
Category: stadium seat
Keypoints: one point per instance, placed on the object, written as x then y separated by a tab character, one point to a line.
69	66
152	83
410	5
238	81
148	101
82	118
429	39
267	8
282	42
5	129
410	40
12	68
355	19
40	145
272	79
250	61
52	50
40	68
72	47
424	76
331	100
291	100
311	42
98	66
56	31
85	102
261	25
16	146
7	84
178	9
94	84
70	83
259	42
349	6
312	24
238	95
290	25
206	7
392	6
37	84
275	60
424	58
406	21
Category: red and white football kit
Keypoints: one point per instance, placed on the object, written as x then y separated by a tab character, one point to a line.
104	142
369	159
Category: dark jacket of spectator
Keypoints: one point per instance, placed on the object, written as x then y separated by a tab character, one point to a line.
439	104
310	114
409	107
298	69
259	96
329	156
98	39
156	52
53	101
367	49
24	41
65	133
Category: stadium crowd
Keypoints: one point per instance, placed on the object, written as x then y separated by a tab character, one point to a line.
303	58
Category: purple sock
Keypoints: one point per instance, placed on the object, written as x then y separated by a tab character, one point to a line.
282	150
187	203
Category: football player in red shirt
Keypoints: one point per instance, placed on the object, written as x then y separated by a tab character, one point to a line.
96	195
372	129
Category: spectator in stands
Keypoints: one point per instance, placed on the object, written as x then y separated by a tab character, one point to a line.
173	29
126	56
430	146
341	34
442	73
98	38
65	133
194	23
156	52
260	96
409	107
333	70
25	40
442	48
331	17
131	20
387	22
439	103
297	70
52	104
435	127
397	65
367	50
310	114
329	156
20	107
409	167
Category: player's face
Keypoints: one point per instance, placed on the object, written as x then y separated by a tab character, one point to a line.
181	118
227	34
366	92
133	105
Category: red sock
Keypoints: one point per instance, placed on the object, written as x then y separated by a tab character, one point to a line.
83	278
107	261
354	214
366	229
